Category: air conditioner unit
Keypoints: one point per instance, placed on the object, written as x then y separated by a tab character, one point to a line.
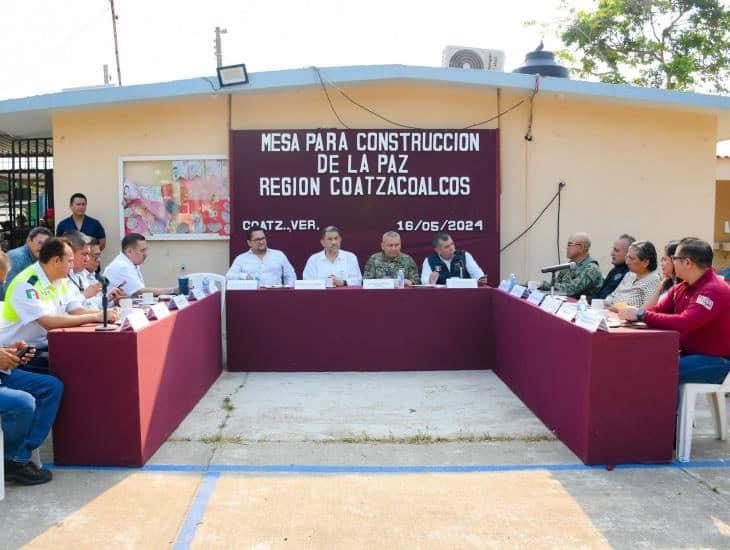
473	58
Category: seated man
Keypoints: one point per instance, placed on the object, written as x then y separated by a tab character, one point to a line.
39	300
28	406
447	262
386	263
619	269
124	272
85	289
586	278
268	266
25	255
333	262
699	309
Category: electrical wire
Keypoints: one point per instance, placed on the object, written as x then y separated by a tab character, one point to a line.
324	88
323	79
552	200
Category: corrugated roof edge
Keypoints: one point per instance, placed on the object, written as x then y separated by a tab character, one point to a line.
271	80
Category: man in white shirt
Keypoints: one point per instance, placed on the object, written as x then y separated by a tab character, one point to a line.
447	262
333	262
268	266
39	300
124	272
85	289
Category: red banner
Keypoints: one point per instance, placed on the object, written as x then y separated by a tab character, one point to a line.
417	182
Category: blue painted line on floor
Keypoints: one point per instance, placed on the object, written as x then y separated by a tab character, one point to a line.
195	514
345	469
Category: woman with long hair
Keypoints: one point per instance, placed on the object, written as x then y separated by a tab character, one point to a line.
669	276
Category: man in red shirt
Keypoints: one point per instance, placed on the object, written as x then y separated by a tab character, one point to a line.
699	309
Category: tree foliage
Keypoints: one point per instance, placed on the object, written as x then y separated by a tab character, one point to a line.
675	44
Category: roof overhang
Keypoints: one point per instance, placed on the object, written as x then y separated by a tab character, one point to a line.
32	116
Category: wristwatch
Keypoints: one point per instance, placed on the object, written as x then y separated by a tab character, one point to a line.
640	314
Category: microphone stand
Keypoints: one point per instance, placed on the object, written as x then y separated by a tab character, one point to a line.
104	304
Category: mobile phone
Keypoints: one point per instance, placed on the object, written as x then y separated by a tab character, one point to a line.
22	352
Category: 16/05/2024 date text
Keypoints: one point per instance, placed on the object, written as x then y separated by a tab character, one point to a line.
440	225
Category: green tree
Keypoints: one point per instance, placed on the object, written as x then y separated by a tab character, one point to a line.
675	44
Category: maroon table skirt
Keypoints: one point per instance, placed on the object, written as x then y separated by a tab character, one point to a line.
126	392
351	329
609	396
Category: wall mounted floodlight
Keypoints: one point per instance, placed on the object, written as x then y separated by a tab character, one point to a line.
232	75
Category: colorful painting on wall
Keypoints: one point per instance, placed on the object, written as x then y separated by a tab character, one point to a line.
175	198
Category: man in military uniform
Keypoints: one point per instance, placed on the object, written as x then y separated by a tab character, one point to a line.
586	278
385	264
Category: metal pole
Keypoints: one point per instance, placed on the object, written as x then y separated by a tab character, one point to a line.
219	46
116	45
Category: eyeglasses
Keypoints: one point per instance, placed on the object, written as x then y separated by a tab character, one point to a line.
258	240
570	243
675	258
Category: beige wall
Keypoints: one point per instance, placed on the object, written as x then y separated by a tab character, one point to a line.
723	168
647	172
87	147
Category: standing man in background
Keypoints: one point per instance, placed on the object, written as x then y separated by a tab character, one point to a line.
79	221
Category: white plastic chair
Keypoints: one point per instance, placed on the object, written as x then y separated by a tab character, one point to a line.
687	399
196	279
35	457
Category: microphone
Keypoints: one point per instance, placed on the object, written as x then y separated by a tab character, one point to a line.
559	267
104	302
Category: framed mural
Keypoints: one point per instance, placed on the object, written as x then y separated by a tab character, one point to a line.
175	197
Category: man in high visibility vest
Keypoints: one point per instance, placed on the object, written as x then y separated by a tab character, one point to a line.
28	406
38	300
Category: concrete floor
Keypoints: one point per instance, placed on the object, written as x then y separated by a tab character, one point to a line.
233	475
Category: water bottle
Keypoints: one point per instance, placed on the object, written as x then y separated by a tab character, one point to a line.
512	281
401	278
206	285
582	304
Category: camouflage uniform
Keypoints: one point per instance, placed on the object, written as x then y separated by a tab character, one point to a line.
379	266
585	279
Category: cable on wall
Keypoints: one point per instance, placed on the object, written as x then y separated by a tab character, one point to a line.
323	80
555	197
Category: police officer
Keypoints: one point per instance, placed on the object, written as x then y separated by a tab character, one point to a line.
39	300
447	262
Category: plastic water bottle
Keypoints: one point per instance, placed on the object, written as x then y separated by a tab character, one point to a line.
582	304
512	281
401	278
206	285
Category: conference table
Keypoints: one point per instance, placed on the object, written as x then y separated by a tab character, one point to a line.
125	392
352	329
609	396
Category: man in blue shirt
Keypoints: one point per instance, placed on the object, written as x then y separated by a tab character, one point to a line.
26	254
79	221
